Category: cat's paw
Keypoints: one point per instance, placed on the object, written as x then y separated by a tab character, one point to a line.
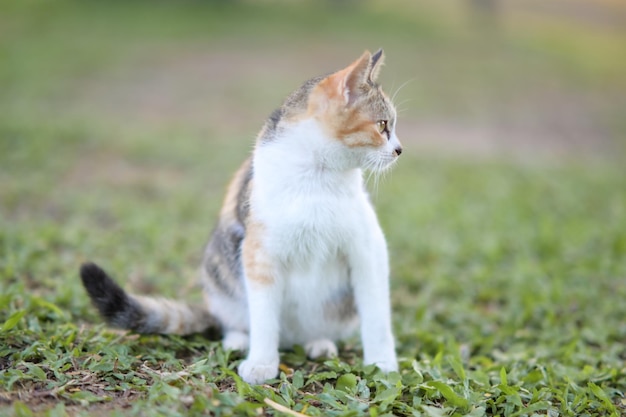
256	373
321	348
387	366
234	340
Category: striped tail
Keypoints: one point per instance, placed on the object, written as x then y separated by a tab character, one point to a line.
142	314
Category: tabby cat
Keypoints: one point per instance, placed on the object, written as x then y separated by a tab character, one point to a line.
297	256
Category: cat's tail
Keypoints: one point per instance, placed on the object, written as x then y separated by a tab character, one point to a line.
143	314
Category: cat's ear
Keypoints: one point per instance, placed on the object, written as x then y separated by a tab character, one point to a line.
363	71
346	85
376	62
355	76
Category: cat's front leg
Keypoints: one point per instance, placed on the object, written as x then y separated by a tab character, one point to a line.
370	280
264	295
262	361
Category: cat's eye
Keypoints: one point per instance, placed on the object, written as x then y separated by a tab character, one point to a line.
381	125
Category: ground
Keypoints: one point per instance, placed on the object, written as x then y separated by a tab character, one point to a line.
121	123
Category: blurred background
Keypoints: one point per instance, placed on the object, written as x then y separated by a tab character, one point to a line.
477	78
108	107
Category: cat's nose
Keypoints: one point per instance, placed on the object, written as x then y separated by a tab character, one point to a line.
398	150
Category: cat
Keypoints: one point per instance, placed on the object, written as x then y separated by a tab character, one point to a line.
297	256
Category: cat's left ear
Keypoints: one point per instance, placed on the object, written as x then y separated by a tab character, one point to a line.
376	62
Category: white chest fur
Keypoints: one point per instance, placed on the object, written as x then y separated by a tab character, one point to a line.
310	209
313	213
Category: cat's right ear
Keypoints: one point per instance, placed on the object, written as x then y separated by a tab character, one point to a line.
344	85
377	61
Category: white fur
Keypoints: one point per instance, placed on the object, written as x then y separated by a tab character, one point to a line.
321	348
318	224
235	340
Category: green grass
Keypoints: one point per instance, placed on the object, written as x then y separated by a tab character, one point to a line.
509	277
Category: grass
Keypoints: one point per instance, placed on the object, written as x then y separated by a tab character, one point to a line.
509	277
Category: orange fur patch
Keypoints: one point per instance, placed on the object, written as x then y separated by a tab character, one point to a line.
352	125
256	262
355	130
229	208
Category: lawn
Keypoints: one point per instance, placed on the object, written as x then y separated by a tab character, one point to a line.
121	123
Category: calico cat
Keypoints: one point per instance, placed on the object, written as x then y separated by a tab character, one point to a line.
297	256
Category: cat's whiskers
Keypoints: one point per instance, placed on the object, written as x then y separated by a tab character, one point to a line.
387	172
403	102
369	168
370	165
377	168
404	84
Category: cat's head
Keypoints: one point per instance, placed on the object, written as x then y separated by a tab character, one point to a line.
354	111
